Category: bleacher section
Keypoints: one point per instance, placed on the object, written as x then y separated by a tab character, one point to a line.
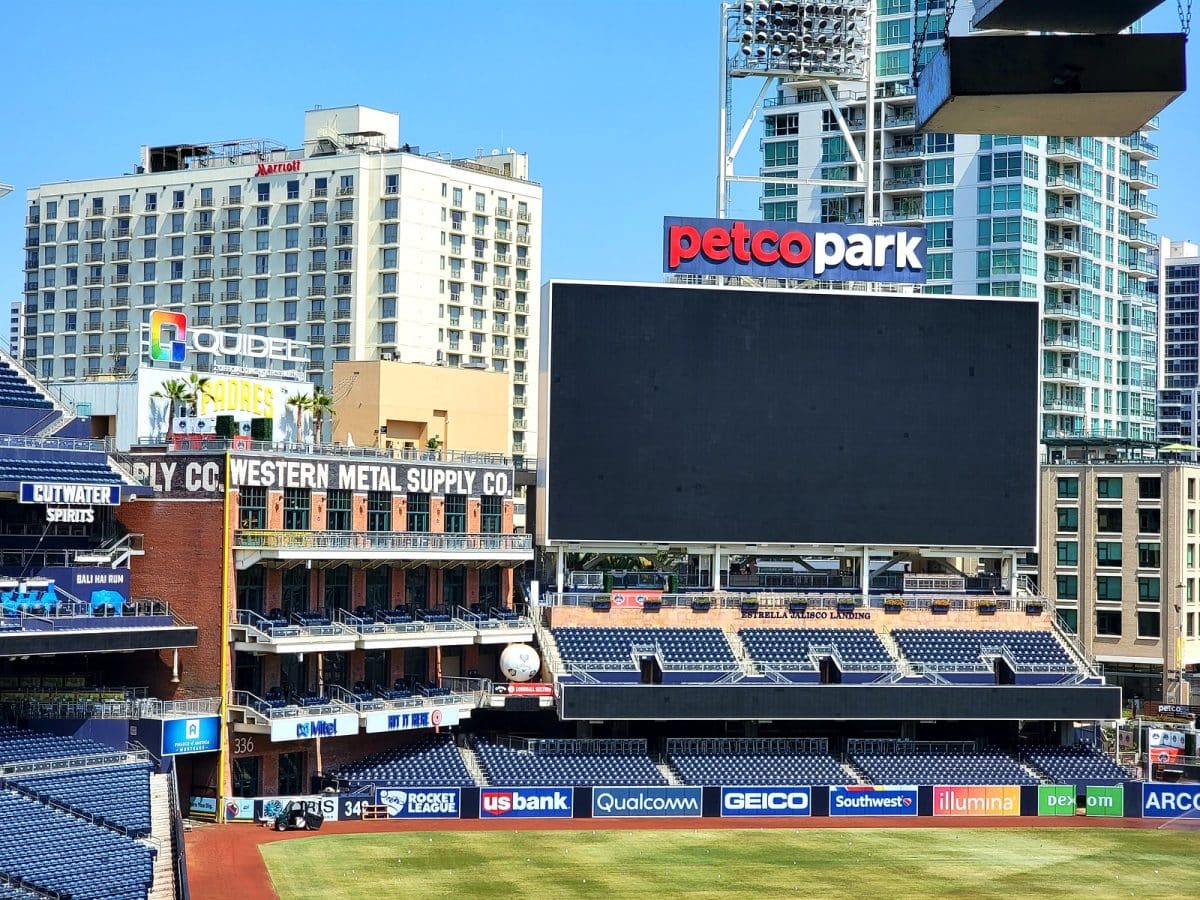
432	762
959	654
568	763
1065	765
947	765
749	761
121	795
71	829
859	652
608	653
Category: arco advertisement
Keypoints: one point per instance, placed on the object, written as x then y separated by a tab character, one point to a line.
1170	801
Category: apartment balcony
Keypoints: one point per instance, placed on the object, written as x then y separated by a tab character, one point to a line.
903	215
33	220
120	303
499	282
1141	178
203	203
520	378
204	227
316	291
900	121
316	267
89	303
317	193
522	238
1063	214
231	297
503	212
318	242
316	315
1141	208
503	259
521	331
204	321
520	354
94	213
94	258
500	352
93	281
343	240
232	202
1144	266
1061	342
202	274
904	151
93	350
1139	293
518	402
522	284
227	225
1140	148
202	297
343	265
1063	279
346	191
318	218
231	249
1063	248
523	216
119	256
94	234
1061	375
119	233
1064	151
203	250
1064	184
1056	309
522	307
118	349
912	183
500	329
344	215
1142	237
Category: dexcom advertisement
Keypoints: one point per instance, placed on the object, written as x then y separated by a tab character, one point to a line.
826	252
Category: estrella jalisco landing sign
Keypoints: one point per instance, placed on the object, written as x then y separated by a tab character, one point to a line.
826	252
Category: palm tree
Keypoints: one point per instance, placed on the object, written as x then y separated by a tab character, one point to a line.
301	403
197	388
176	392
320	405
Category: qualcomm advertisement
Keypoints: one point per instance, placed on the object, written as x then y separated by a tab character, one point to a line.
421	803
638	802
768	801
827	252
527	803
196	735
1171	801
303	728
396	720
869	800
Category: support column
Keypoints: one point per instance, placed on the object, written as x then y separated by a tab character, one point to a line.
865	576
716	570
559	564
1012	586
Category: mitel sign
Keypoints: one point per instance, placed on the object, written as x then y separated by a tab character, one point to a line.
170	338
307	728
827	252
278	168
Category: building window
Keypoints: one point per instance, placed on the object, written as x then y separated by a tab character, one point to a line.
1149	625
1148	590
1150	488
1108	520
252	507
492	518
1068	553
418	512
1069	618
1068	587
295	589
1068	518
456	514
1108	554
1108	488
337	589
1108	622
1149	521
337	510
1108	587
1068	488
1149	555
379	511
379	588
296	505
251	589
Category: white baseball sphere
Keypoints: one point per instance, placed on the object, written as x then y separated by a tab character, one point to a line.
520	662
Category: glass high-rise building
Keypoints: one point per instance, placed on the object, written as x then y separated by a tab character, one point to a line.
1061	219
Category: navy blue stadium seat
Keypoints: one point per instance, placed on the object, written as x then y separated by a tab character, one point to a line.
771	768
531	768
1082	762
611	646
430	762
859	646
947	647
977	767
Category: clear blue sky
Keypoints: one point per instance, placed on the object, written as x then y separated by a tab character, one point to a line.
614	101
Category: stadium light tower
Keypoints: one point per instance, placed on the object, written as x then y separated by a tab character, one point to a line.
814	44
5	189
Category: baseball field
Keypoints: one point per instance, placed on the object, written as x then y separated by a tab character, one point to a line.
942	862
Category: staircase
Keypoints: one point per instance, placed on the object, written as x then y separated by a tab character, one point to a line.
474	767
62	410
850	769
550	656
889	642
163	887
668	773
741	654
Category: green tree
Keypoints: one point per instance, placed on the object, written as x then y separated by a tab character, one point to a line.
197	386
177	393
301	403
320	405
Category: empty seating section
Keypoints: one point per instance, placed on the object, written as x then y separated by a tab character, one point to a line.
532	767
859	647
755	762
432	762
1079	763
25	746
681	647
121	794
954	767
949	647
50	464
59	852
16	391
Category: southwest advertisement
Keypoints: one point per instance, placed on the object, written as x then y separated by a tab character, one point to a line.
872	800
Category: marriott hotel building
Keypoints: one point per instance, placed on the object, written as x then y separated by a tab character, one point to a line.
355	244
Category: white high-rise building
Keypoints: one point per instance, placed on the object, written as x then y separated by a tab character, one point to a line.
354	244
14	328
1061	219
1179	397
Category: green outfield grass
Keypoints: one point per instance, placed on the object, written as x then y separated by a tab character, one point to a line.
876	864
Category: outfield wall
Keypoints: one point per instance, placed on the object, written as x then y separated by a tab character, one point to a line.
1155	800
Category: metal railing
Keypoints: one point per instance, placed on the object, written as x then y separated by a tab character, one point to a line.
263	709
381	541
74	763
746	746
273	629
151	708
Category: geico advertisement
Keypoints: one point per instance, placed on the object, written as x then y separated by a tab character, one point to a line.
527	803
766	801
871	800
642	802
1171	801
992	800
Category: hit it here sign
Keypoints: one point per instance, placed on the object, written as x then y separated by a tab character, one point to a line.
827	252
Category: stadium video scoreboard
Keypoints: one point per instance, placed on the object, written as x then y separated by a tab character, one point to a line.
711	415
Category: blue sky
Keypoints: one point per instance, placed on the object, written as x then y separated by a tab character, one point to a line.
616	108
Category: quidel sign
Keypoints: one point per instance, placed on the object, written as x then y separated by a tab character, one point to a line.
827	252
